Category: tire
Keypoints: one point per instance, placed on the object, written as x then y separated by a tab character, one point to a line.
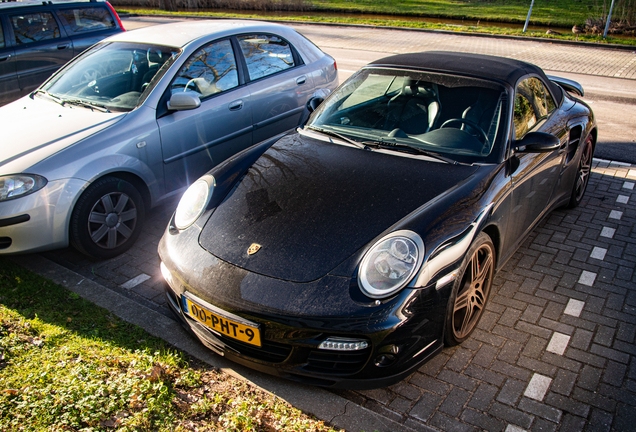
107	218
582	174
470	291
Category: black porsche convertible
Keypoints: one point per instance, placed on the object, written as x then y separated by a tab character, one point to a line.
349	252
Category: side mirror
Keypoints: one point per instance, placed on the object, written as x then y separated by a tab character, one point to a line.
537	142
183	101
314	103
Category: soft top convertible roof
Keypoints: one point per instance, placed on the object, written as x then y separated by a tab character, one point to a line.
478	65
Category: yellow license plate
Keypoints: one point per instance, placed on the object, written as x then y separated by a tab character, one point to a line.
235	327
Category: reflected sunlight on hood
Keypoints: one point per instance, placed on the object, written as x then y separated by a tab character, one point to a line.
34	129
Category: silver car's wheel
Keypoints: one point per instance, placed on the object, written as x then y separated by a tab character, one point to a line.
107	218
471	291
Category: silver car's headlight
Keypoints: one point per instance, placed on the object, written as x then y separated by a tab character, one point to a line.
391	264
18	185
194	201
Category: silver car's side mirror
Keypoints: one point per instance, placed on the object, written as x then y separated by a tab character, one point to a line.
184	101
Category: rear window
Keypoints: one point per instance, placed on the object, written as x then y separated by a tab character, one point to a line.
34	27
86	19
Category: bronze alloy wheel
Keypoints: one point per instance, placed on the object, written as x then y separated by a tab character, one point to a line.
582	174
470	294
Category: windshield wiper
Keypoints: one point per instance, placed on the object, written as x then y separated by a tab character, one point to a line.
411	149
89	105
337	135
49	95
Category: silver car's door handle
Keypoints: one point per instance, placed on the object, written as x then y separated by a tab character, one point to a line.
62	46
301	80
7	57
236	105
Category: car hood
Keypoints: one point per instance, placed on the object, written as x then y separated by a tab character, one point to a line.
310	205
34	129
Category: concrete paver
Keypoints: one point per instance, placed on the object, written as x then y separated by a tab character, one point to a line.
555	349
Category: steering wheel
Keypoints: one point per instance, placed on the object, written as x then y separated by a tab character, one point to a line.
90	75
471	124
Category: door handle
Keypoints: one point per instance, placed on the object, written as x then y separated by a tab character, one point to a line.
236	105
62	46
301	80
7	57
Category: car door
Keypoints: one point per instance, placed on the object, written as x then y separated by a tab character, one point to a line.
193	141
280	84
41	47
9	88
534	181
87	24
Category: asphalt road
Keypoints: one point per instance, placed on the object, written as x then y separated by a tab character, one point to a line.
608	76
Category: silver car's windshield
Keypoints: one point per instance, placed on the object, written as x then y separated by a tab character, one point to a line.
459	117
113	76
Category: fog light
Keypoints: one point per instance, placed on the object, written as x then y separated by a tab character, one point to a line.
343	344
385	360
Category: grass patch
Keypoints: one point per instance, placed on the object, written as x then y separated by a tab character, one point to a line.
551	13
66	364
392	23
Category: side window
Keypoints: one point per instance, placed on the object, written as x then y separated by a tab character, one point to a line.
34	27
88	19
1	36
525	118
532	104
549	102
210	70
265	55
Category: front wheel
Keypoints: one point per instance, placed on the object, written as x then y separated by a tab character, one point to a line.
470	291
107	218
582	174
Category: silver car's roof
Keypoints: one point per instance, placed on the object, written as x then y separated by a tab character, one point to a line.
180	34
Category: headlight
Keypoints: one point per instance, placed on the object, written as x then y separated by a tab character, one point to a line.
17	185
194	201
391	264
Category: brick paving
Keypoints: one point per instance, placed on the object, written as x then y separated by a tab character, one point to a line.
555	349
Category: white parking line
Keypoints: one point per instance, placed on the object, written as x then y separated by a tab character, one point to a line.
538	387
587	278
622	199
135	281
574	308
608	232
615	214
598	253
558	343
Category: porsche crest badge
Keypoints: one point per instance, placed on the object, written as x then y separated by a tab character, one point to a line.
253	248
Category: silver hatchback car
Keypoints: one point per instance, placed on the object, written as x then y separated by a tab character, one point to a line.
139	116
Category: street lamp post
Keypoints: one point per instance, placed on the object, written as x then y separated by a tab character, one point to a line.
530	12
609	17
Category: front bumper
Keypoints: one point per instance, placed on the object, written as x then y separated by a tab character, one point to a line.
39	221
402	332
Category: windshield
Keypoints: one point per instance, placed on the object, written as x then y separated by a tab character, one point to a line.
115	76
458	117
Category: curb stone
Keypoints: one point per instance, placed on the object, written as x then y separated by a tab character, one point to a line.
326	406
